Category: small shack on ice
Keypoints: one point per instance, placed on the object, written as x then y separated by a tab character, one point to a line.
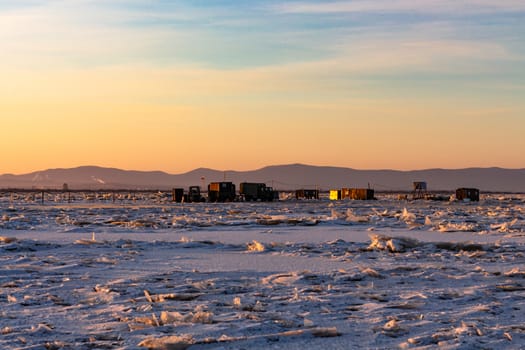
357	193
221	192
253	191
467	194
307	194
335	195
177	195
363	194
193	195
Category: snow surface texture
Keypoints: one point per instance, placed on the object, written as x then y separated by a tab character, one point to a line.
146	273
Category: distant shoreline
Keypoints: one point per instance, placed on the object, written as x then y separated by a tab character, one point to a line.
280	177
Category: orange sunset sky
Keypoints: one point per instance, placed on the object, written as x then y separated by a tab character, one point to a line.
172	86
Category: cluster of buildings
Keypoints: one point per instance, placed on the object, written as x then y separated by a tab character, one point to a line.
259	192
226	192
251	191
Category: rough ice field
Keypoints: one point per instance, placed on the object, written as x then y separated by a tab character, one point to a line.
151	274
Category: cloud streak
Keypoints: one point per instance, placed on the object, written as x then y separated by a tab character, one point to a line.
405	6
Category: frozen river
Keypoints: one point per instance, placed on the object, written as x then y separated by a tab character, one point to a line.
151	274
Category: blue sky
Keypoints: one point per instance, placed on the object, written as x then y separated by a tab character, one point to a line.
231	34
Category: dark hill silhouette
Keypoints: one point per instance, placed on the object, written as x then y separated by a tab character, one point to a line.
289	177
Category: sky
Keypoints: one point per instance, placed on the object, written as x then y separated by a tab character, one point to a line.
239	85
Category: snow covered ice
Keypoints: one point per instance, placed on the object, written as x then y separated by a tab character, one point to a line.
147	273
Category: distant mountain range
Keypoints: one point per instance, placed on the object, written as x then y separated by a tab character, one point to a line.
283	177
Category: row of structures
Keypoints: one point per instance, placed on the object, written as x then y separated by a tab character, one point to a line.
222	192
252	191
365	194
226	192
470	194
352	193
462	194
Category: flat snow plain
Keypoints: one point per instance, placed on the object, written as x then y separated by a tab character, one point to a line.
147	273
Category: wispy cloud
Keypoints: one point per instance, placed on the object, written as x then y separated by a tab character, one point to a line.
82	34
410	6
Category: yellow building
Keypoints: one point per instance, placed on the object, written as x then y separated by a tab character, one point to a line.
335	195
